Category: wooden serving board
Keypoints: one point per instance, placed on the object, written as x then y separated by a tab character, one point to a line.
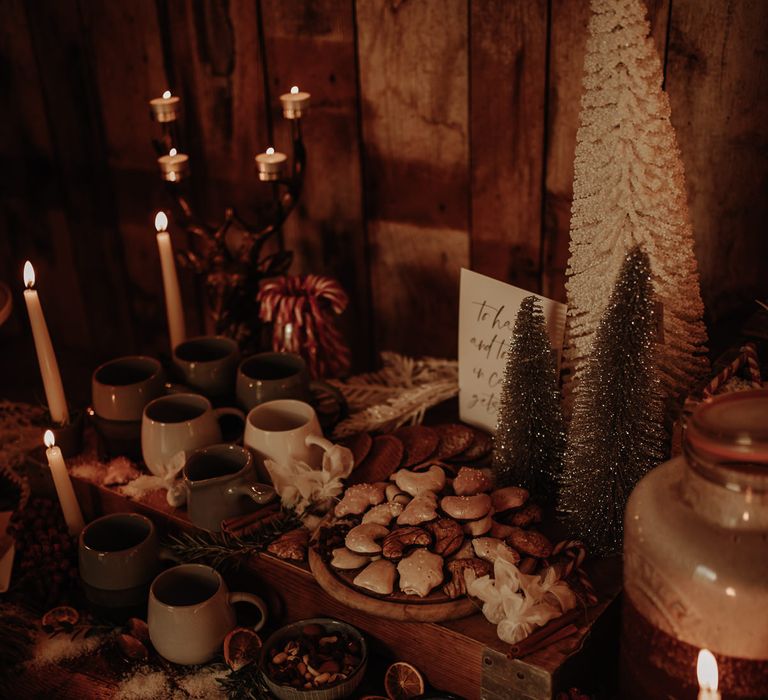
412	609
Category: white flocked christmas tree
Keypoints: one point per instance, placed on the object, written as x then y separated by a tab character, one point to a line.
629	189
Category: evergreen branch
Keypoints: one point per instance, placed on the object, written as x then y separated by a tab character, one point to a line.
17	633
221	550
246	683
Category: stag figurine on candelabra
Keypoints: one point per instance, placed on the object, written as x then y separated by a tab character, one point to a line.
234	257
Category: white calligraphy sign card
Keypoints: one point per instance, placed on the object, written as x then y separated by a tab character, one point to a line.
487	312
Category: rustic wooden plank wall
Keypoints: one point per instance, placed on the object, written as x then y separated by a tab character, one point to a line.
441	135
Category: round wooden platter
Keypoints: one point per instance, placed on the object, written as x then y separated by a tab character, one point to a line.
406	608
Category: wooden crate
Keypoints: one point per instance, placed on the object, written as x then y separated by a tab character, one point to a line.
464	657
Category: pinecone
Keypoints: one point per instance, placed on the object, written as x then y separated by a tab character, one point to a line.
46	555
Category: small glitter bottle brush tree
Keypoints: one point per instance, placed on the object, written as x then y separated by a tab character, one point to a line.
530	435
616	434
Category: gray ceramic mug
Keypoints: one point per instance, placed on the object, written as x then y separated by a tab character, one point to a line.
270	376
208	363
190	612
220	482
119	556
122	387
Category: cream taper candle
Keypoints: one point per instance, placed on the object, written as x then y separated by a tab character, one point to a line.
61	480
173	307
46	358
707	675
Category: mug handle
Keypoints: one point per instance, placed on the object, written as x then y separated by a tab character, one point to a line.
230	411
260	493
320	385
241	597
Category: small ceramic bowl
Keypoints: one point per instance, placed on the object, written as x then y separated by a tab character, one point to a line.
278	640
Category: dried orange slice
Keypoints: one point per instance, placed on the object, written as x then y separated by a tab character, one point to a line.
62	617
403	681
241	647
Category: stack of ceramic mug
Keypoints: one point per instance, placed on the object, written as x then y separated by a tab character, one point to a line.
192	430
188	606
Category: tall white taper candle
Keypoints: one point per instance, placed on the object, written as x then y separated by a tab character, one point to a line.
67	498
46	358
173	306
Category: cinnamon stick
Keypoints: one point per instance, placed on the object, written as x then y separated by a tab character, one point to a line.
254	527
542	637
232	526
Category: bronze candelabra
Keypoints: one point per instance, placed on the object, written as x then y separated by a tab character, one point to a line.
234	256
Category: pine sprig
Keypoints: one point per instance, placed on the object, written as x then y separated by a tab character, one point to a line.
246	683
17	636
222	550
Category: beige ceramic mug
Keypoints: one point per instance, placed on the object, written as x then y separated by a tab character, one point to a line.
175	425
190	612
278	430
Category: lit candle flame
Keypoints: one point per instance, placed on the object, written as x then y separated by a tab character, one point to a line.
270	151
49	439
29	275
706	670
295	90
172	152
166	94
161	221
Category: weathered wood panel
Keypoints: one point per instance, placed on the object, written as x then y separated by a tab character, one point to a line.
74	119
459	117
568	38
717	80
215	65
414	101
33	222
127	55
312	45
508	78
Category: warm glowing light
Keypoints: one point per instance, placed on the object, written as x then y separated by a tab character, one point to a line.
29	275
270	151
172	152
48	438
172	176
295	90
161	221
166	94
706	670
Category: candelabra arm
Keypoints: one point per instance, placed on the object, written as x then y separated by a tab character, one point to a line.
190	221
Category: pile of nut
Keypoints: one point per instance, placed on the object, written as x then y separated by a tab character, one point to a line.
315	659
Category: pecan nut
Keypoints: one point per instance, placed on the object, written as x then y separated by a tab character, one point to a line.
397	541
448	534
462	572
